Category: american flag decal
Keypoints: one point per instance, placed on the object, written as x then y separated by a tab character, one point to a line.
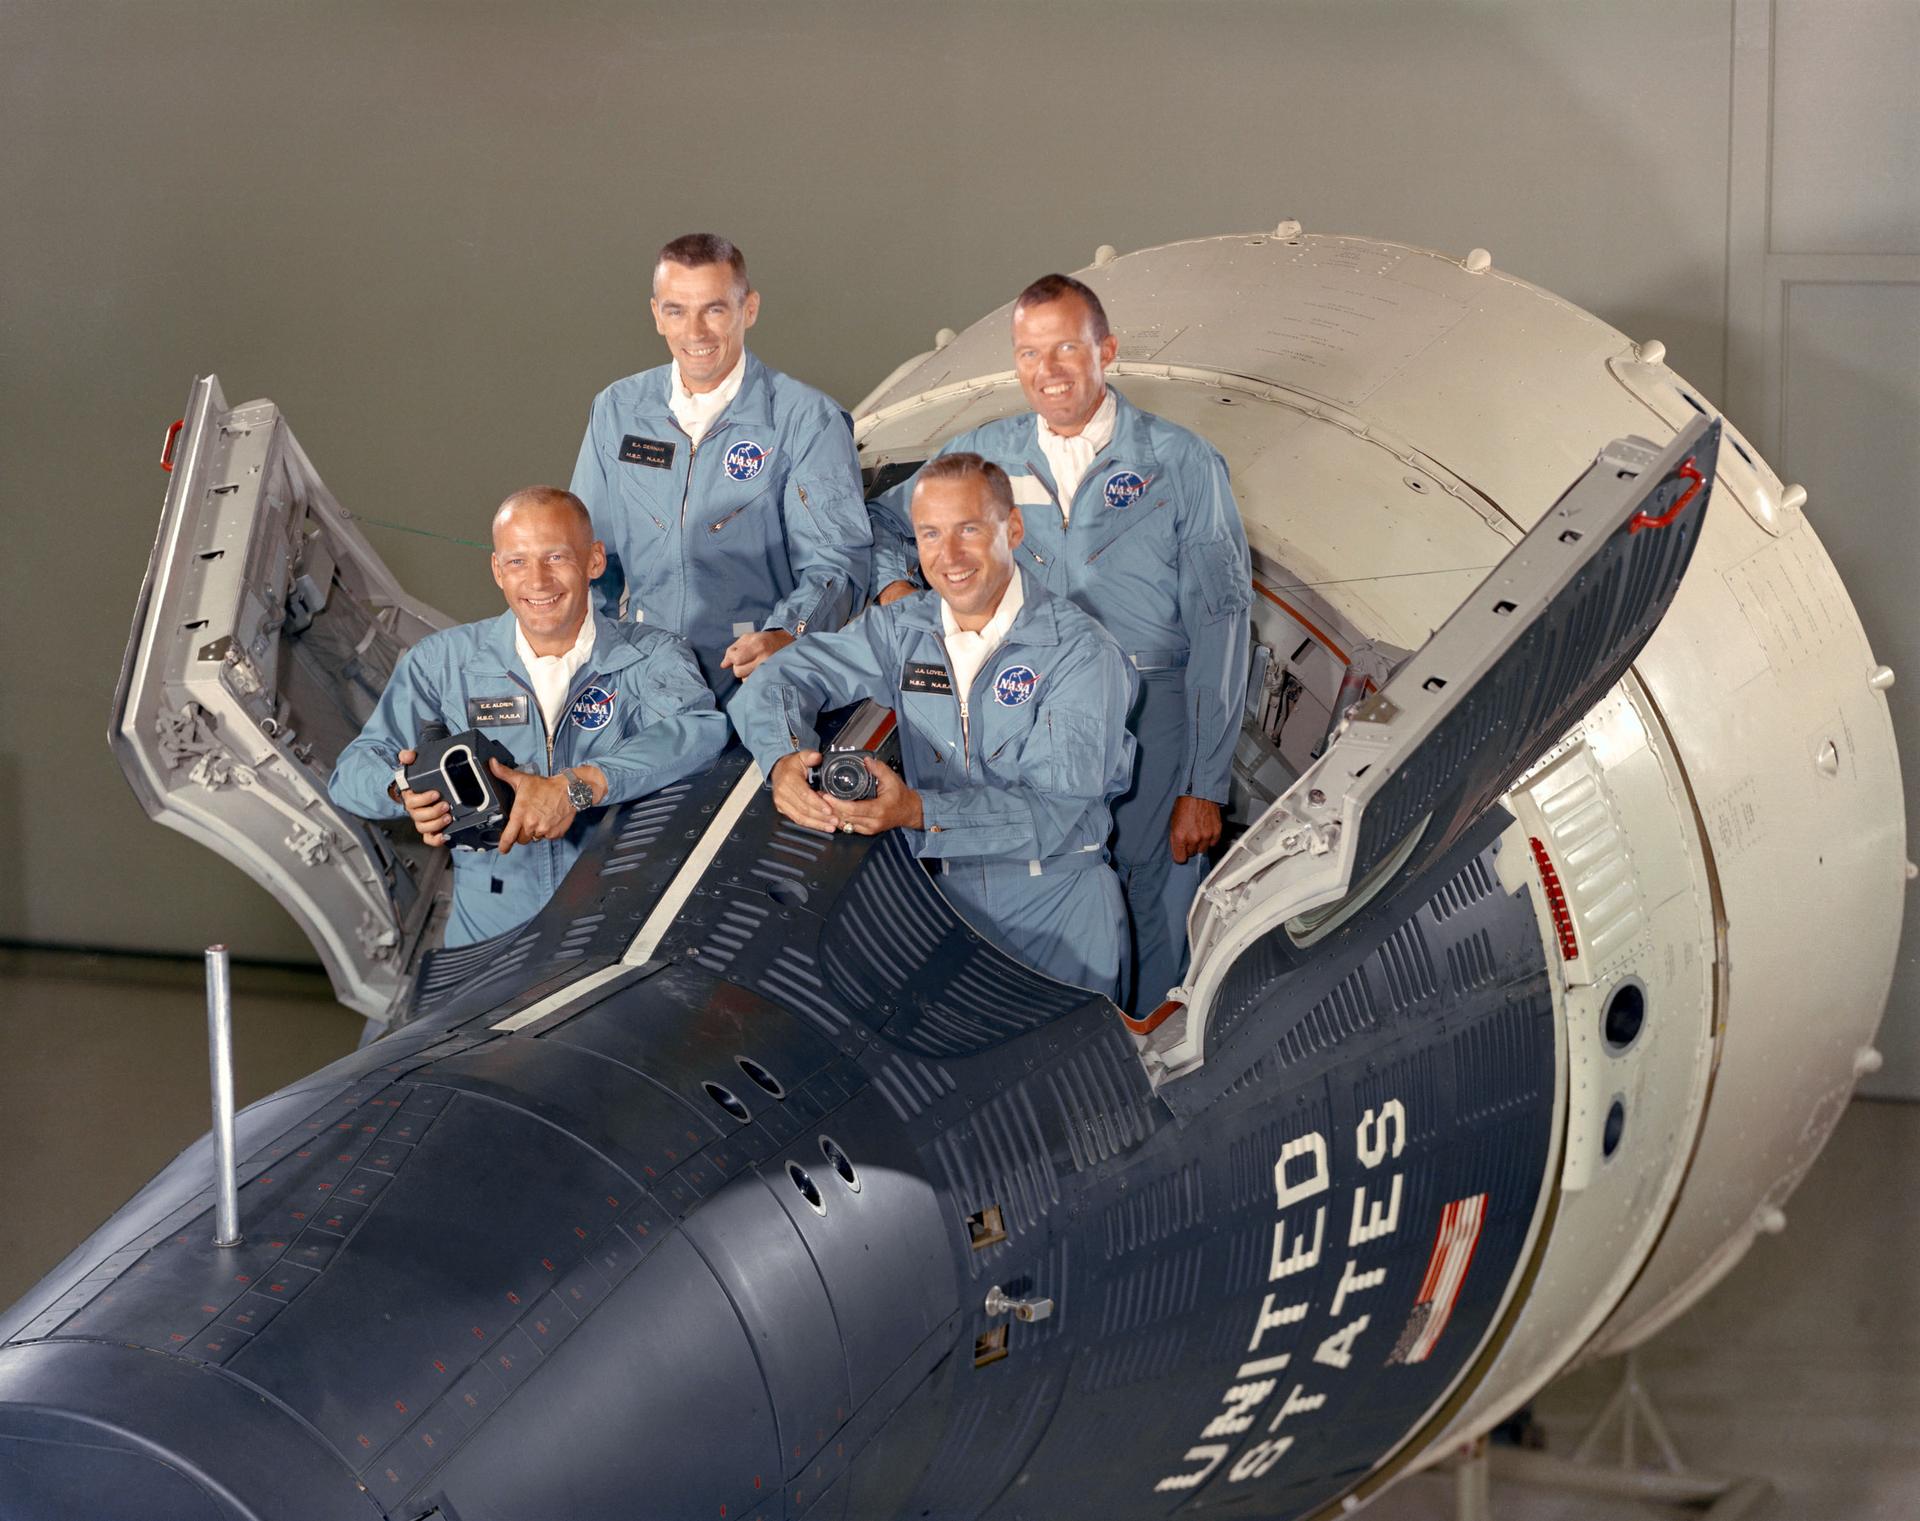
1453	1246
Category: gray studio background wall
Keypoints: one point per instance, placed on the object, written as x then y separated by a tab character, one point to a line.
424	231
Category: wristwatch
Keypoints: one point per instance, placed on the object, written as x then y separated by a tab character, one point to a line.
578	792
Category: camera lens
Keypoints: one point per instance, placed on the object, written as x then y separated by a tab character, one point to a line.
847	778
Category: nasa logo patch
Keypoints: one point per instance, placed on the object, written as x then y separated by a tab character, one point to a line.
1014	686
592	709
1123	488
745	460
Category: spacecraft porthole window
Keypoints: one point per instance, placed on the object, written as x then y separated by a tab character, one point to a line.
1615	1127
728	1102
1624	1016
809	1190
840	1162
761	1077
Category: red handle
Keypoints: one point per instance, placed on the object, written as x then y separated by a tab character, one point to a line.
1686	472
166	449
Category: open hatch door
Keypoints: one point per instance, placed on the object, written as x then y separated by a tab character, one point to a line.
265	633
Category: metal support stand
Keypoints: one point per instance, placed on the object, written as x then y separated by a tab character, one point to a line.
226	1193
1472	1483
1630	1408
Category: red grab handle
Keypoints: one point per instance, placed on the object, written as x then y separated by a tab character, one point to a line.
1686	472
166	449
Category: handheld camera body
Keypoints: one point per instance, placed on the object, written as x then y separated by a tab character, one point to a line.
455	766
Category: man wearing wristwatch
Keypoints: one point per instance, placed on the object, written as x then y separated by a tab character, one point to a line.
593	712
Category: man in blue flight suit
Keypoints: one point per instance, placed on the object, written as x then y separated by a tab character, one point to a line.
593	711
1133	519
1011	705
727	493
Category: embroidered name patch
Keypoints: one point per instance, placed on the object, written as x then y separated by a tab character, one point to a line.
745	460
496	712
925	676
1123	488
657	452
1014	685
592	709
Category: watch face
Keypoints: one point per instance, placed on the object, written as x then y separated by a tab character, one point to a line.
579	793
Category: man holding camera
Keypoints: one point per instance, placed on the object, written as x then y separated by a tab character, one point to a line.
1133	518
1012	709
594	711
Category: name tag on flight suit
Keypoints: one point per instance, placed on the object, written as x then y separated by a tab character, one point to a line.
497	712
657	452
922	676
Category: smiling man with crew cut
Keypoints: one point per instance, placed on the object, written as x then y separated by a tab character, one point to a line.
593	712
728	494
1132	518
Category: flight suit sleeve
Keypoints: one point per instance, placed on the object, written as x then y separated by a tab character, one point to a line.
1216	591
775	711
829	540
894	555
1076	756
591	485
361	775
681	731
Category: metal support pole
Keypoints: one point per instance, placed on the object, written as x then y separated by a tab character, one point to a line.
226	1194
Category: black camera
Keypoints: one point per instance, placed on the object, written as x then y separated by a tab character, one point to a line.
455	766
844	775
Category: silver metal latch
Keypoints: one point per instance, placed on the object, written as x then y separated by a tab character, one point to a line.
999	1302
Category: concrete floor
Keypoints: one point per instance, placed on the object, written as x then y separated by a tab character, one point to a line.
1803	1367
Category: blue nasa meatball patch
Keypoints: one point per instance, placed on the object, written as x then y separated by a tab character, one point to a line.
745	460
1123	488
1014	686
592	709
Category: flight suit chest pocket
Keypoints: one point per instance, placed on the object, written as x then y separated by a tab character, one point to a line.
934	716
652	498
736	482
1142	525
1007	736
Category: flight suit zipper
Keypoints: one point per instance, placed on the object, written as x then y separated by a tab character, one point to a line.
533	701
1053	492
965	700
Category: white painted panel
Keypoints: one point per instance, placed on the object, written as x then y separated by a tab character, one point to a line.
1852	388
1846	135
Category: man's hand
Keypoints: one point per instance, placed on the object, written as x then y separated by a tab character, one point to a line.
893	591
749	650
895	806
795	799
540	807
430	816
1194	827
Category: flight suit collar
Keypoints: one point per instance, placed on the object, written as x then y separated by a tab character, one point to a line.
1037	622
753	404
613	649
1131	446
